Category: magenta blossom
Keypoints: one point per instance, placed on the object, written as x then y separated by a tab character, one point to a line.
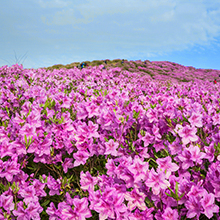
139	169
111	147
156	181
93	110
81	208
208	203
190	155
185	158
196	154
135	199
67	164
194	207
188	134
147	139
166	166
87	181
10	168
29	194
170	214
52	212
28	130
196	120
6	202
80	157
152	115
216	119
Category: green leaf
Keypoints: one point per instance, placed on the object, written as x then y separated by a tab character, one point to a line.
2	186
153	106
132	147
142	133
31	168
51	151
25	138
7	109
168	194
45	203
176	189
127	117
30	140
181	196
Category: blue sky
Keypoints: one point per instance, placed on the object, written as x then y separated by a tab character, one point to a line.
41	33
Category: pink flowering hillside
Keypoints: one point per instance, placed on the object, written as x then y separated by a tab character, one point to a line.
123	140
160	70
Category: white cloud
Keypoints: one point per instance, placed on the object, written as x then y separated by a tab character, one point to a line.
53	3
162	25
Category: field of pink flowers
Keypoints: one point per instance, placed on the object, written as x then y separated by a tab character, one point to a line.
107	143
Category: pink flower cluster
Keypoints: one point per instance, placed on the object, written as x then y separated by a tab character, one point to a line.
107	144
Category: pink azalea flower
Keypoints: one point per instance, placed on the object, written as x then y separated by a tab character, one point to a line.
80	157
53	185
110	166
52	212
81	111
157	181
39	188
185	158
34	119
29	194
208	203
210	152
92	130
166	166
170	214
135	199
6	202
147	139
93	110
80	138
18	119
21	212
67	164
196	120
5	149
156	132
152	115
196	191
81	208
66	102
194	207
175	147
216	119
10	168
66	211
188	134
196	154
19	147
111	147
28	130
110	203
87	181
139	168
142	215
89	131
34	209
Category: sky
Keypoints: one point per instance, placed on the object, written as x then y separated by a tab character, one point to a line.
42	33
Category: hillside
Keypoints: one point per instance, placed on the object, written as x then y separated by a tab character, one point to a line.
160	70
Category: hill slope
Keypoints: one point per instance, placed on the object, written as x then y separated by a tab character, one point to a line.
160	70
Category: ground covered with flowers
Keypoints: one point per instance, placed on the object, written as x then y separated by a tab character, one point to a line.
104	142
